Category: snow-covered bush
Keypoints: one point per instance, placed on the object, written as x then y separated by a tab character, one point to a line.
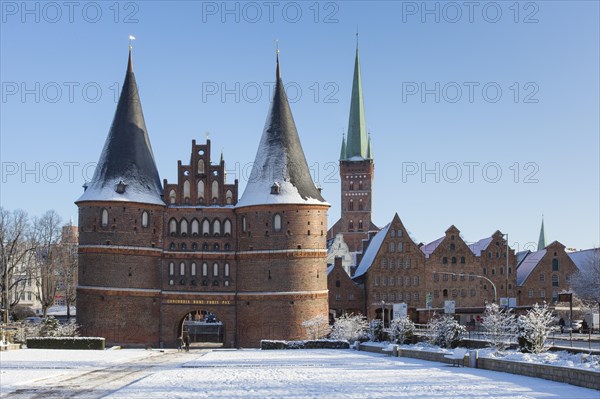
401	329
533	329
317	327
375	332
446	332
500	326
49	327
350	327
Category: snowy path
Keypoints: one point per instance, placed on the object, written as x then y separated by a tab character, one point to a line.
285	374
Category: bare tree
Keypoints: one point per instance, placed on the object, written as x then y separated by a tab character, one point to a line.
17	250
586	281
48	258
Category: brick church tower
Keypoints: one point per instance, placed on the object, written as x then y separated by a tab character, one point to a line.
282	221
356	173
121	229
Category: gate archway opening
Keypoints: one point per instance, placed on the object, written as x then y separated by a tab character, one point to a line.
204	329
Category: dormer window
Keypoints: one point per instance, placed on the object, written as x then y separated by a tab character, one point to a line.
121	187
275	188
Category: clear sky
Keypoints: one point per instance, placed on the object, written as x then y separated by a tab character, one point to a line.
484	115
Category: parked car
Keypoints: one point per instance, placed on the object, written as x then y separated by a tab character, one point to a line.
33	320
576	325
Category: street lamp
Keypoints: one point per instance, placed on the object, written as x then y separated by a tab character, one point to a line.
383	313
475	275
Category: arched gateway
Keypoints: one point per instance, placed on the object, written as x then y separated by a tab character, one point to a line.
204	328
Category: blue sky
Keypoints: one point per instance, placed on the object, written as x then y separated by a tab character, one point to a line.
484	116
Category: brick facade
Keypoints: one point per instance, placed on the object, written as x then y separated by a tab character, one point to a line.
345	296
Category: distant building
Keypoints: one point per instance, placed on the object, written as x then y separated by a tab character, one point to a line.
345	296
339	249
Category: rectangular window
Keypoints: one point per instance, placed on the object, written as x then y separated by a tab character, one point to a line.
436	277
530	294
400	281
392	247
392	297
385	281
392	280
350	297
473	292
416	281
338	297
204	269
407	281
453	276
542	293
377	296
542	277
182	269
377	281
171	269
400	247
436	294
444	277
416	296
399	296
408	263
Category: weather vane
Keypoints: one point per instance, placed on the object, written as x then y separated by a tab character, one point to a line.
131	39
277	45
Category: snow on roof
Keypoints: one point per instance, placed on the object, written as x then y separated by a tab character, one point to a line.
528	264
330	269
280	174
480	245
583	258
428	249
372	251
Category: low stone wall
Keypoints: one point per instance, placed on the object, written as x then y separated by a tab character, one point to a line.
578	377
581	378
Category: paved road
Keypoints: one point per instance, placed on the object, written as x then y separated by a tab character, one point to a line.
99	382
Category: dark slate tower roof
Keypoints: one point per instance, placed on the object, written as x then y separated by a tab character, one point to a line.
280	174
126	170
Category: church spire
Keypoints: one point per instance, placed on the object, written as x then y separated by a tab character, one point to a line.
280	174
357	144
343	151
542	239
126	170
369	150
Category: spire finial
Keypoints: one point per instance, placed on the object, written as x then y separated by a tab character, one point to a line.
356	37
130	63
207	134
277	73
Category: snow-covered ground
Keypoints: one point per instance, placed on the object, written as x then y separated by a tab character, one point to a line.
267	374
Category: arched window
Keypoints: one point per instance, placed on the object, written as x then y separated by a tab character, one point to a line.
204	269
360	185
172	197
392	247
277	222
229	197
195	227
444	260
554	265
216	246
215	269
462	259
400	247
104	218
201	191
144	219
351	185
183	227
186	191
182	269
227	228
453	260
445	293
361	206
392	233
215	191
351	225
193	269
171	268
172	227
216	227
360	224
226	270
205	227
244	224
351	205
200	166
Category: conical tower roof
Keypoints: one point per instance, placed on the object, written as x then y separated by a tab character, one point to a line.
280	174
126	170
343	150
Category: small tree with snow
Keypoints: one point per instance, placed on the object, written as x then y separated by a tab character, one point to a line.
317	327
401	329
375	330
533	329
499	326
446	331
349	327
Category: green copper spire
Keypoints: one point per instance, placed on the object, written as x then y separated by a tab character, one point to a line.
343	152
369	150
542	239
357	127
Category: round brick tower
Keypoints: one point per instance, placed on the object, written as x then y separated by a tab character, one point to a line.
121	229
282	225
